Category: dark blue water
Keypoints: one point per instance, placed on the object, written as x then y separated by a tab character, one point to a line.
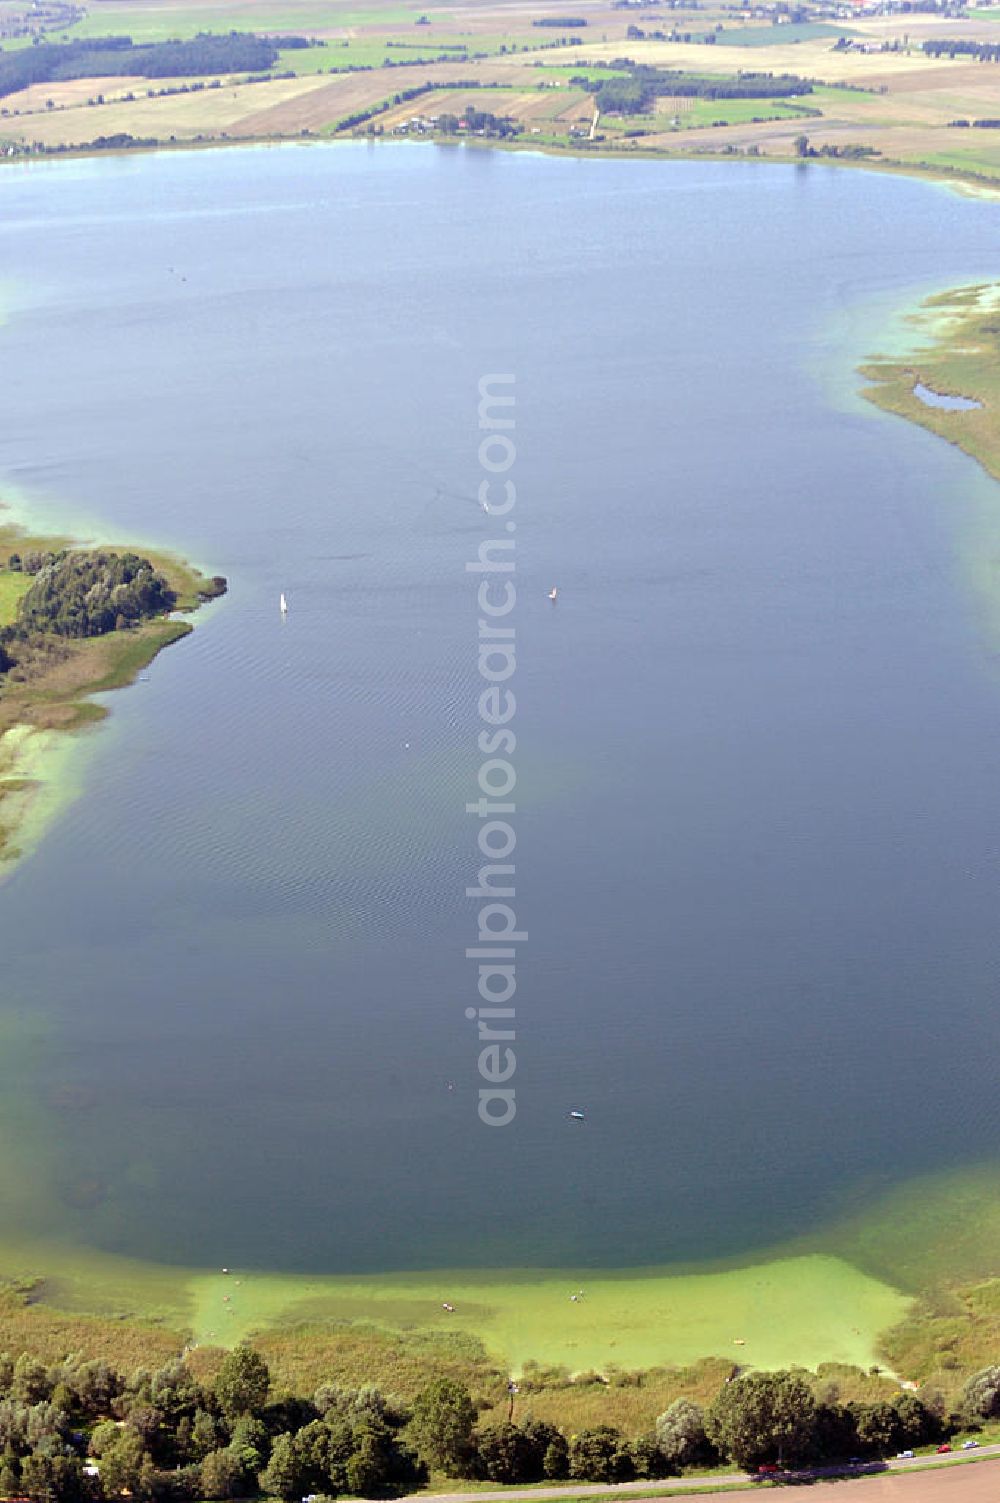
758	735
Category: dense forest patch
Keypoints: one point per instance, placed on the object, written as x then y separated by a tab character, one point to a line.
106	57
636	93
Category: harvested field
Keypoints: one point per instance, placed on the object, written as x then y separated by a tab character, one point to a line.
181	116
332	99
77	91
327	101
816	60
538	107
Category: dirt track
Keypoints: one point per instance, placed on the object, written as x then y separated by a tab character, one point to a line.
952	1481
958	1484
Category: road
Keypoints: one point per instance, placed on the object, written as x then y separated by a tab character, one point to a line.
952	1478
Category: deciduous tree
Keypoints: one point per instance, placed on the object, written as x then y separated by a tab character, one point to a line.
762	1417
441	1427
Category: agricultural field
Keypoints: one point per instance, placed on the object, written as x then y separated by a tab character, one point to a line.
691	113
875	94
542	108
780	36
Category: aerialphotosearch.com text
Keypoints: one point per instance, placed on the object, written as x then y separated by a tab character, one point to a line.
498	935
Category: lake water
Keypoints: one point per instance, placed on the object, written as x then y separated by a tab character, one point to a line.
931	398
759	733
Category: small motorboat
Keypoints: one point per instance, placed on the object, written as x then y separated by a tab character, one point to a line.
576	1116
283	604
554	593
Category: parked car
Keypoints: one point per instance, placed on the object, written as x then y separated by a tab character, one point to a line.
943	1447
767	1469
905	1455
970	1445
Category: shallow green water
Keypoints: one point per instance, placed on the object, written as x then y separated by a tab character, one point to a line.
758	734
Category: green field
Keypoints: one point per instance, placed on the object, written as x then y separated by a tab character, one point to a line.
336	55
592	75
184	21
780	36
12	587
419	48
739	111
966	162
698	113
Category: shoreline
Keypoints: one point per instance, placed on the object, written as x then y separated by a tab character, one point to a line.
506	1314
953	355
44	709
876	1285
799	1309
953	177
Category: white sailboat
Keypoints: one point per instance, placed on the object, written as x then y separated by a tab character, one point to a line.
284	604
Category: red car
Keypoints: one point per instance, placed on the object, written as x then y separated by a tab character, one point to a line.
943	1448
767	1469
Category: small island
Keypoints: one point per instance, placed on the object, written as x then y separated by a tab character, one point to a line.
75	620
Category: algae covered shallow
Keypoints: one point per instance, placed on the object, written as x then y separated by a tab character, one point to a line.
793	1310
755	900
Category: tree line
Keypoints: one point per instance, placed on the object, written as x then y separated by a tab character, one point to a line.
755	1419
476	121
984	52
635	94
79	1431
100	57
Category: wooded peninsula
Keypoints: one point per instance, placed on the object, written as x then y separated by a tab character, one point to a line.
75	621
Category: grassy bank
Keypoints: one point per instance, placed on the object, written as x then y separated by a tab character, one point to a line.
956	353
47	695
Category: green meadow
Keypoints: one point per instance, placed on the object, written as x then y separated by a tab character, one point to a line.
739	111
182	21
372	53
592	75
12	587
977	163
780	36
